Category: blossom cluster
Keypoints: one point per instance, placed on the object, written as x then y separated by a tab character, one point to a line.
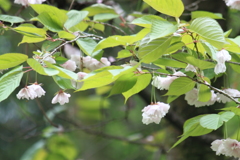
228	147
27	2
234	4
221	57
154	112
31	92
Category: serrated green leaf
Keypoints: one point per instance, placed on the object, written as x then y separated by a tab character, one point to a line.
232	46
162	28
214	121
40	8
235	110
27	39
146	21
187	58
40	69
142	82
209	30
181	86
197	14
11	19
9	82
51	21
99	8
9	60
87	45
173	8
211	50
63	82
31	32
75	17
123	84
49	45
153	50
170	62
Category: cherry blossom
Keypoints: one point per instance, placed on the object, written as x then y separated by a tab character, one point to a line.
61	98
27	92
232	92
228	147
76	84
27	2
71	51
38	89
165	82
234	4
70	65
221	57
154	112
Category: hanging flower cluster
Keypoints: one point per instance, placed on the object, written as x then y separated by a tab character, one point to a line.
228	147
76	84
61	98
154	112
221	57
234	4
31	92
27	2
165	82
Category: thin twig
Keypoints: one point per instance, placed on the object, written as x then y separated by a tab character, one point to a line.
44	113
71	5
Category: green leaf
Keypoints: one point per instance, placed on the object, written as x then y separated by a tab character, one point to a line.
184	57
204	94
99	8
31	32
153	50
235	110
173	8
75	17
232	46
63	82
235	58
143	81
104	76
27	39
162	28
214	121
51	21
197	14
181	86
170	62
124	53
209	30
87	45
146	21
9	82
40	8
211	50
11	19
49	45
123	84
40	69
63	72
9	60
105	17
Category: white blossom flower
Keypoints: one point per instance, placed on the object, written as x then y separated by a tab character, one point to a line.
70	65
190	68
221	57
154	112
93	64
61	98
71	51
99	1
232	92
228	147
234	4
165	82
27	92
27	2
38	89
76	84
47	57
218	146
192	98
